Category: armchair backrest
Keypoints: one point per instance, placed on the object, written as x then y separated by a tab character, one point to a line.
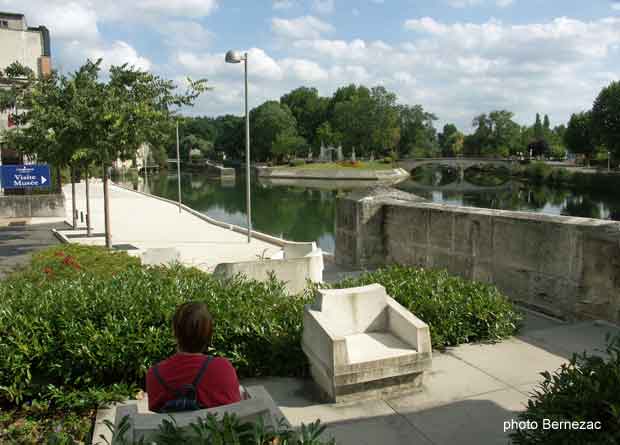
355	310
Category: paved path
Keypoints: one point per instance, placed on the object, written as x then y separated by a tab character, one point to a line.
141	222
471	391
21	237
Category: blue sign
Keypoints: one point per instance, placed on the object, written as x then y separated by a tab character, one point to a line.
25	176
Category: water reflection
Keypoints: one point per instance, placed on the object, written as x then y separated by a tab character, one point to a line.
302	210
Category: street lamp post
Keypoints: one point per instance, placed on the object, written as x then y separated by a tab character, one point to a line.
236	57
178	167
608	161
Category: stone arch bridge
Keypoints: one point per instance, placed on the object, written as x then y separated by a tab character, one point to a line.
461	164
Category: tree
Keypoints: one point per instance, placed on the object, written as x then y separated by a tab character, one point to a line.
578	135
606	117
326	135
309	109
385	119
230	139
418	136
287	144
538	128
450	140
267	121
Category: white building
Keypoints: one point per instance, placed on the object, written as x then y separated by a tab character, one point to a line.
28	46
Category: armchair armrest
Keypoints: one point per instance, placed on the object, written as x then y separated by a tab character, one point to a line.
408	327
319	340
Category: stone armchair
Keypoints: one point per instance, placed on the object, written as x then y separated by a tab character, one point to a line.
363	344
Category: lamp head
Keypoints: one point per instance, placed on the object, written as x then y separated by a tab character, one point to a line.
233	57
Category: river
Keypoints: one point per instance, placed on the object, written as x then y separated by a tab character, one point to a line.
304	210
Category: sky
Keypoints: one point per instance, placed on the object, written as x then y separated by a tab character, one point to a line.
456	58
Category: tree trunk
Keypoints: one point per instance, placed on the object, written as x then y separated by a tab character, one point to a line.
59	178
106	207
88	228
73	203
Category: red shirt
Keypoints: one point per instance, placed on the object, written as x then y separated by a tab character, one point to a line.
219	385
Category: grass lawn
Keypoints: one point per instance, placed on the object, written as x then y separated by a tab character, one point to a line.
360	165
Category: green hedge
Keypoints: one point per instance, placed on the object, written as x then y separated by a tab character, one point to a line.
585	390
456	310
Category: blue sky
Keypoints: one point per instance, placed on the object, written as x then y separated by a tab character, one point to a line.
457	58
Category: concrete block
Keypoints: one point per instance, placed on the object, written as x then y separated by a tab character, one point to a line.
144	424
361	343
160	256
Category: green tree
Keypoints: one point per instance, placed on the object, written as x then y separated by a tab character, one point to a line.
450	140
578	136
287	144
538	128
230	136
266	122
606	117
309	109
418	136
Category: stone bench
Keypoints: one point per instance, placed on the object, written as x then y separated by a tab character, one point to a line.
145	424
363	344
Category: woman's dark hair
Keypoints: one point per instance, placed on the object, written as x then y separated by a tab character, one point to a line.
192	326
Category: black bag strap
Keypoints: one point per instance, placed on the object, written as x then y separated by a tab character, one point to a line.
202	371
159	378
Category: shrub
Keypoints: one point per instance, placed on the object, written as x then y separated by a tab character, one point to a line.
585	389
229	430
560	176
387	160
297	162
456	310
97	330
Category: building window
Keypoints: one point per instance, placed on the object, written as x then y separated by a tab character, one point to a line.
4	23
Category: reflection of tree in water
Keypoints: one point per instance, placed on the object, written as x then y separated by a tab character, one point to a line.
487	176
435	175
296	213
582	206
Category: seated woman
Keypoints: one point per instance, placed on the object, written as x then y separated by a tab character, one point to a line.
190	379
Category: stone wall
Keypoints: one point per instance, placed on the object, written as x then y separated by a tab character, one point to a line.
389	174
565	266
31	206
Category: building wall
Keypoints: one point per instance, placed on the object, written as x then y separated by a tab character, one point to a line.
565	266
28	46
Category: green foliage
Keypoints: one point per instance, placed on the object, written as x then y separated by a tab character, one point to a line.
538	172
287	143
606	117
104	330
456	310
228	430
585	389
578	136
268	121
296	162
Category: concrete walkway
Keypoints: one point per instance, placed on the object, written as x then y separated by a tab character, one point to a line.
140	222
470	393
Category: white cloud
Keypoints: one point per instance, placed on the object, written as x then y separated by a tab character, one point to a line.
324	6
117	53
615	6
504	3
307	27
185	34
304	70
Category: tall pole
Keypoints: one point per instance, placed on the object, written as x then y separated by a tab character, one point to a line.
106	207
178	167
608	161
73	203
247	154
146	170
88	229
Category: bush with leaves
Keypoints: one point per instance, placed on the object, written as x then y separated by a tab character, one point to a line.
585	389
456	310
227	431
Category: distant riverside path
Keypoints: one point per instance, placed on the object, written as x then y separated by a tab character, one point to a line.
140	222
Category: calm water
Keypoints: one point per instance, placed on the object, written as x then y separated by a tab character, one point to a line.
304	210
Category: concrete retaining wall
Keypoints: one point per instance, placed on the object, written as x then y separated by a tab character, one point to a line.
332	174
565	266
32	206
